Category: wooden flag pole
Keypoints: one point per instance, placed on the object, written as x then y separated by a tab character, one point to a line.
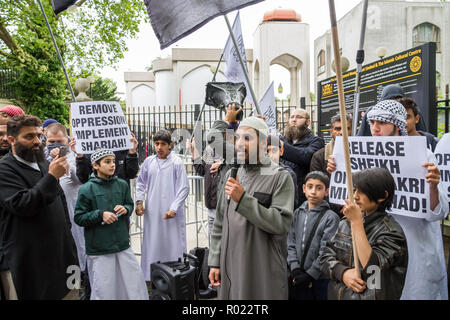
337	61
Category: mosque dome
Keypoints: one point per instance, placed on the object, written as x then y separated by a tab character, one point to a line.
282	15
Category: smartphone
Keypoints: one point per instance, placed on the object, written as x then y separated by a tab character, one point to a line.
62	151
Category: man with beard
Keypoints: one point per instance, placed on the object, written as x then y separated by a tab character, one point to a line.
37	252
4	144
248	254
299	145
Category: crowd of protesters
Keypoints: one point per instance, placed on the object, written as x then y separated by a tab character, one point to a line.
272	232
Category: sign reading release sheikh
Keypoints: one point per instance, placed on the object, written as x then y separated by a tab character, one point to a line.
402	156
99	124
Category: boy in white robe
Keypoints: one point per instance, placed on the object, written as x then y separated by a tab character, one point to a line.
163	185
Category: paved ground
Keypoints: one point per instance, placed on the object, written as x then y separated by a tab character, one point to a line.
191	234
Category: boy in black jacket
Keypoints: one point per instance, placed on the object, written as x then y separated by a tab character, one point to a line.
313	225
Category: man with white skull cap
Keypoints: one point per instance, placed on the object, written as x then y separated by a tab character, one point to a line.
249	239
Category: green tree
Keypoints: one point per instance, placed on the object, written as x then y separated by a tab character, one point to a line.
89	38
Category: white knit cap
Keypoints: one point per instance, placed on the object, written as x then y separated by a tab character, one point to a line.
256	123
100	154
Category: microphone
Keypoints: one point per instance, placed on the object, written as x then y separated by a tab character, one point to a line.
234	171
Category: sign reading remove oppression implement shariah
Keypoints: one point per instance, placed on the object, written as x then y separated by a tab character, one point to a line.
414	70
99	124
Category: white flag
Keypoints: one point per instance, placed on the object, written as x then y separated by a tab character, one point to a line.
234	72
267	106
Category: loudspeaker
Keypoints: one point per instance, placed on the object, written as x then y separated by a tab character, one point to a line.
173	280
206	291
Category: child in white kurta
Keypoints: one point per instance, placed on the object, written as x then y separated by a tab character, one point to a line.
163	183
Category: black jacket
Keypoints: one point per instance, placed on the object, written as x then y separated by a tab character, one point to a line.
299	155
431	140
36	243
203	169
389	253
285	166
318	162
127	166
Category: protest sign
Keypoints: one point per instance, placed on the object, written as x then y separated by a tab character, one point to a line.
402	156
99	124
442	153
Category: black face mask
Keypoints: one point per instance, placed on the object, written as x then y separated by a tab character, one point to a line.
29	154
54	145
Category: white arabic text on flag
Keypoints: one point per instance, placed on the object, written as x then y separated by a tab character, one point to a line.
234	72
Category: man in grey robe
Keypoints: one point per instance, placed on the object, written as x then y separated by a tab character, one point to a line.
254	212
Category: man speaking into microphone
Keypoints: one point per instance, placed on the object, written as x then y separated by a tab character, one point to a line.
254	212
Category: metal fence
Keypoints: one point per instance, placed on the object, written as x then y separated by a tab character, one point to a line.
443	106
7	90
196	213
146	121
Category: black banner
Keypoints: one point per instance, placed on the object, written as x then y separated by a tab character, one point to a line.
414	70
61	5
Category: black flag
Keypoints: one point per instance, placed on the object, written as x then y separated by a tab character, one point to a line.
61	5
175	19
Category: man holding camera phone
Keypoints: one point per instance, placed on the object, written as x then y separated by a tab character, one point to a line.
36	246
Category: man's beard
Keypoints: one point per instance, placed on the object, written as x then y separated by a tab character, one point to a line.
28	154
295	133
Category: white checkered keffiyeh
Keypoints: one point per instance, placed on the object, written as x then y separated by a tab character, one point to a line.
389	111
101	153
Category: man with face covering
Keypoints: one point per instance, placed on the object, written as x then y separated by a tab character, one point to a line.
299	146
248	254
37	250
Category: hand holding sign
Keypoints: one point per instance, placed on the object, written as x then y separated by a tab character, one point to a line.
100	124
352	211
402	156
353	281
135	144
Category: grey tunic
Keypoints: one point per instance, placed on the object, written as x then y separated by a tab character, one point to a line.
248	241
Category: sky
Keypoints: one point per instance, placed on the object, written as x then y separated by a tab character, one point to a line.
143	49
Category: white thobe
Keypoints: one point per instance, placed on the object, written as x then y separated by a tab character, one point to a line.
426	276
165	186
116	276
70	185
